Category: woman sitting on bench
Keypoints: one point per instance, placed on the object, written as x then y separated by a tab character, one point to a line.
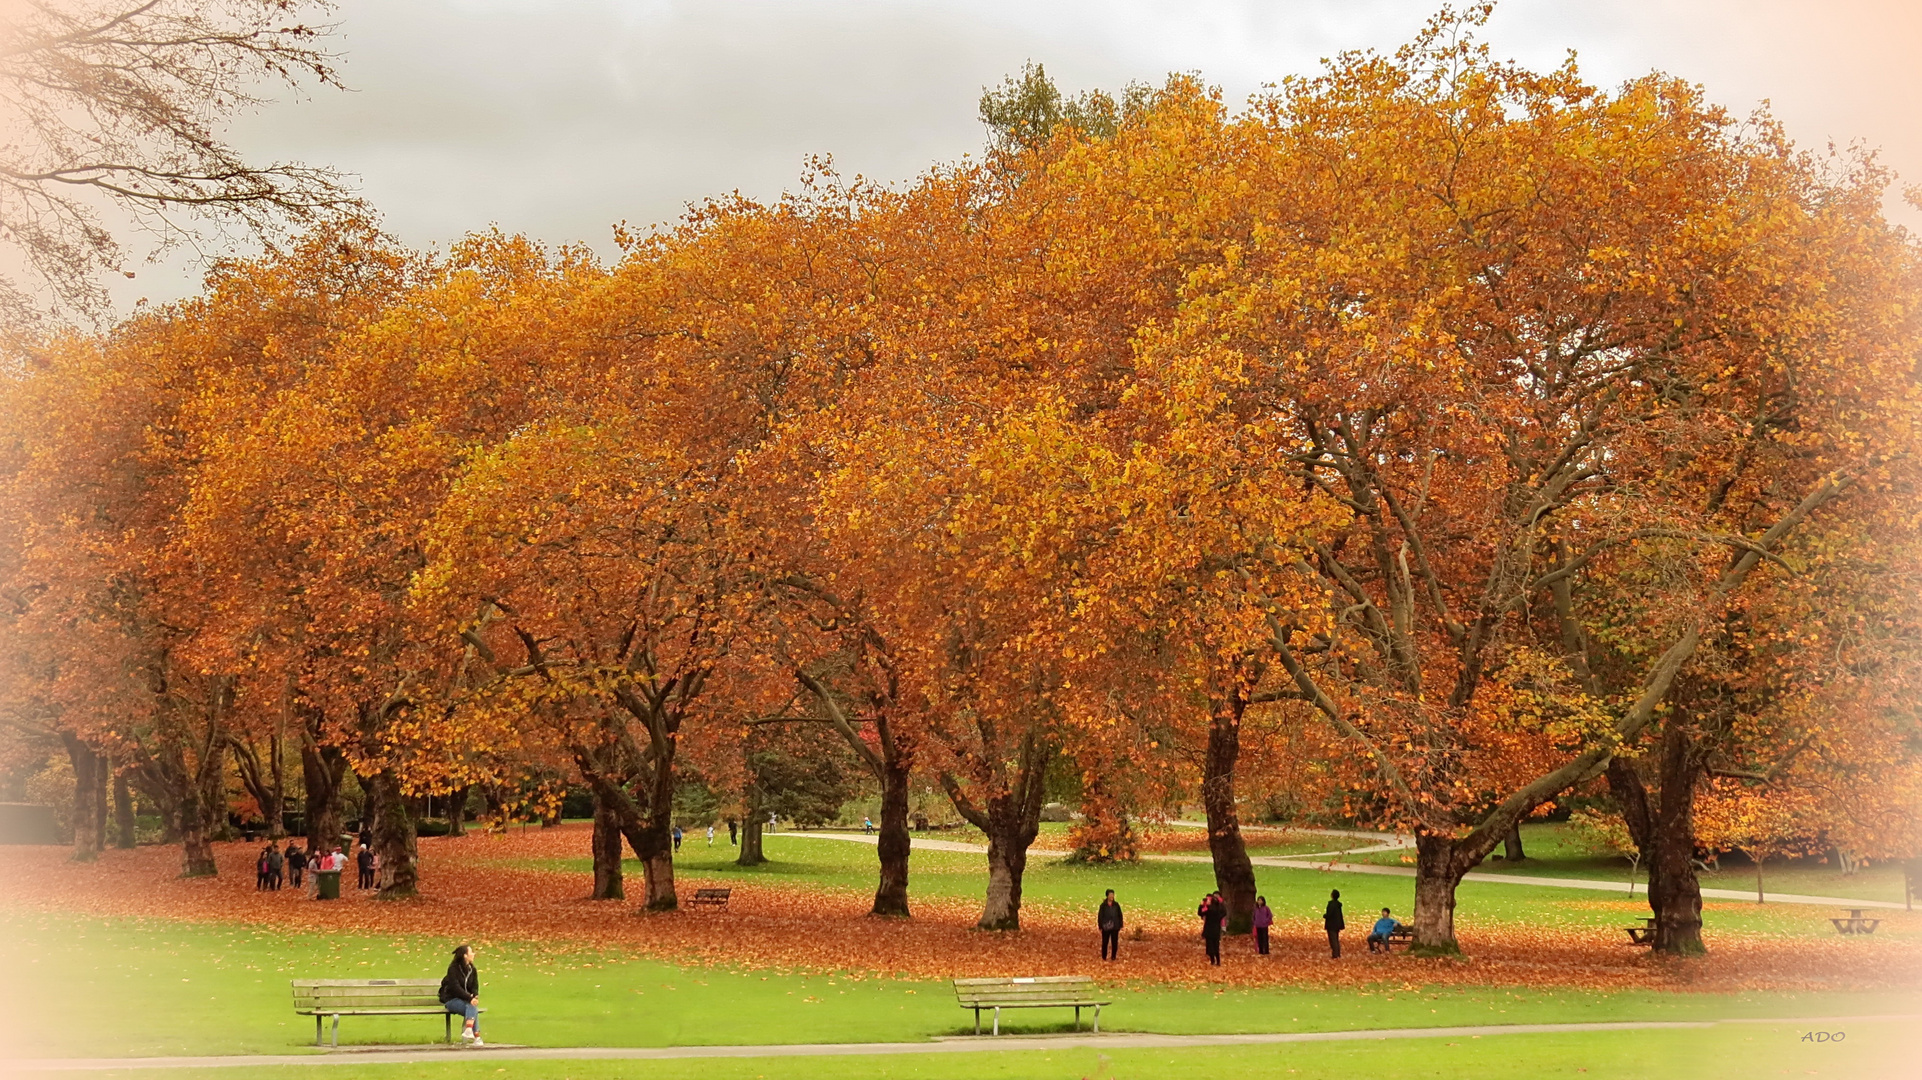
1384	926
460	993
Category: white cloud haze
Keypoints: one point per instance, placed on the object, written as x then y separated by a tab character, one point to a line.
561	117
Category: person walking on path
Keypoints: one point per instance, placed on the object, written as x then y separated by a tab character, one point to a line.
1108	919
364	859
1213	912
276	866
710	834
260	871
867	826
1331	921
677	838
1384	926
1263	920
296	866
460	993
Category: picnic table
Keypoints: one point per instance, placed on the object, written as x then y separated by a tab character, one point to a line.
1855	923
1643	934
1062	991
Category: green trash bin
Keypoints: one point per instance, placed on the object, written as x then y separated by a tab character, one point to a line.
326	884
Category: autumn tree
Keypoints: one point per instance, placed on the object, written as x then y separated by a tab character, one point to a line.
1510	329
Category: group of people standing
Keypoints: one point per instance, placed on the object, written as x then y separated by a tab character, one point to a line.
275	867
1213	912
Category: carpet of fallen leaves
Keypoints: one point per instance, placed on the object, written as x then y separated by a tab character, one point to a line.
469	892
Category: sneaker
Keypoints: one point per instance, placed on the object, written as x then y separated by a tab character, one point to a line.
467	1034
477	1041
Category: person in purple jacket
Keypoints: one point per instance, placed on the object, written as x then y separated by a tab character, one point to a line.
1263	920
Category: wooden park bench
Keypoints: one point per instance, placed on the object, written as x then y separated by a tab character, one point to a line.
320	998
1400	935
1075	992
1855	923
1643	934
710	898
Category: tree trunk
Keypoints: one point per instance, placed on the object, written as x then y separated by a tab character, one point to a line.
324	770
197	817
1439	865
89	787
656	849
893	843
750	842
1234	874
607	853
1007	861
1011	819
395	845
1512	845
125	824
1674	892
457	812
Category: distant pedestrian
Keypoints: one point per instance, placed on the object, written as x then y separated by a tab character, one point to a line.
1332	921
1384	926
1108	919
364	859
366	835
710	834
1263	920
296	866
460	993
276	866
772	820
867	824
733	827
1213	912
677	838
260	870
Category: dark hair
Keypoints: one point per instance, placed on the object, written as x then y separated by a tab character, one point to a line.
1334	894
1261	899
1384	911
1110	892
461	951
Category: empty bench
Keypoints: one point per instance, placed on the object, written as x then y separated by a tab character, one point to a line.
710	898
1075	992
321	998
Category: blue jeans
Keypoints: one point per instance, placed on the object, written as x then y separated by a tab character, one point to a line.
466	1009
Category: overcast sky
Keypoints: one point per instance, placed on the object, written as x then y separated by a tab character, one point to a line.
559	118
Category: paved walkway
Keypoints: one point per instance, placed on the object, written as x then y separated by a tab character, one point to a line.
1296	862
414	1055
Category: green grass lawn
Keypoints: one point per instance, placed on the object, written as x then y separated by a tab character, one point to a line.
1872	1051
125	987
1560	850
1155	887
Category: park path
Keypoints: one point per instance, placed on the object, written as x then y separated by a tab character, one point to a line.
952	1045
1297	862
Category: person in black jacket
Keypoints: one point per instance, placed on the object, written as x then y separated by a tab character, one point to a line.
365	860
1213	912
1331	921
1108	918
296	866
460	993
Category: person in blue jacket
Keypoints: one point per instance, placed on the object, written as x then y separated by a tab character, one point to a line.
1384	926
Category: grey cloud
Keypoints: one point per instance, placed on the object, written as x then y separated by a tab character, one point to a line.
560	117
